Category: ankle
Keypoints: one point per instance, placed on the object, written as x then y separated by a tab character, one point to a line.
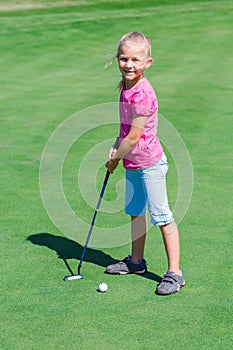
135	260
177	271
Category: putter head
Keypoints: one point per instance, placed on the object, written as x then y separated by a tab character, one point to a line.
73	277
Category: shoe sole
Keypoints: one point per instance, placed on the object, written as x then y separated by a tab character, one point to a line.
127	273
176	291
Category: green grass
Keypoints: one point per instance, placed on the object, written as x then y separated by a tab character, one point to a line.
52	66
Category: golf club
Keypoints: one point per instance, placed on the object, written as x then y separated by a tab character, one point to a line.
80	276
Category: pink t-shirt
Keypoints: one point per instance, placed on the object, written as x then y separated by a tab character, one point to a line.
140	100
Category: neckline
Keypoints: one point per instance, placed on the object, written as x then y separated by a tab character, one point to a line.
139	81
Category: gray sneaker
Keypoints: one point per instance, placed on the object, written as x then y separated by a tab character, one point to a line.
171	284
126	266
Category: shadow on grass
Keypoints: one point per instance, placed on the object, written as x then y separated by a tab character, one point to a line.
69	249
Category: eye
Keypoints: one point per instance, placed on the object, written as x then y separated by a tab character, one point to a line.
136	59
123	59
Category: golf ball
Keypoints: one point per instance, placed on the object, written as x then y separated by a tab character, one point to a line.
103	287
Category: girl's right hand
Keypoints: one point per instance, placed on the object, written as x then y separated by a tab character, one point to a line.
112	164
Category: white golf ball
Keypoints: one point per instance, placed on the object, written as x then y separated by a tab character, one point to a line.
103	287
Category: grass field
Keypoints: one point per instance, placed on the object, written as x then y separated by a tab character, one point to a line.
52	63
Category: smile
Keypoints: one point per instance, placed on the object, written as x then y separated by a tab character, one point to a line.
130	72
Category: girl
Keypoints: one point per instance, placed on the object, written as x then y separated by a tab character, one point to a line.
145	164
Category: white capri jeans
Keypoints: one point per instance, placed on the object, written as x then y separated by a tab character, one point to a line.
147	187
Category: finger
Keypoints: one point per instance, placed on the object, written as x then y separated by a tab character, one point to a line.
109	167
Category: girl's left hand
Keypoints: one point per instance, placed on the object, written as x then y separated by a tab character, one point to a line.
112	152
112	164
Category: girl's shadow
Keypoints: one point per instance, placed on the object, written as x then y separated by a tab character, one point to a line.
69	249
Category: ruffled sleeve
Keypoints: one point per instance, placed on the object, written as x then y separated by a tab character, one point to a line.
143	103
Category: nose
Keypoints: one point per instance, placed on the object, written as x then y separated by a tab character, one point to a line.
129	64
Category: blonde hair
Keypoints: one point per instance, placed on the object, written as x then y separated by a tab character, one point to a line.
137	39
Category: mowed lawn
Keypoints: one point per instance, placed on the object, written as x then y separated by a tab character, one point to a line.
52	67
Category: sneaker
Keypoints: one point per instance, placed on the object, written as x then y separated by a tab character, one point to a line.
171	284
126	266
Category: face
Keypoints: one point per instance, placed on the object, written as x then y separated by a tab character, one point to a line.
132	62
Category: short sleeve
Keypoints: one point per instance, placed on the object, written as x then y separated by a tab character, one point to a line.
143	103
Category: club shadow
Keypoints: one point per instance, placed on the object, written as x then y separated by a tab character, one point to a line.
69	249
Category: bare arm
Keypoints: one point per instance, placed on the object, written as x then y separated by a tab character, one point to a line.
128	143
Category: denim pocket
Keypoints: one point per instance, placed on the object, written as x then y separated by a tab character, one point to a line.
163	164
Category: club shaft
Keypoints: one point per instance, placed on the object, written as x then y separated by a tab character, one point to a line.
93	219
